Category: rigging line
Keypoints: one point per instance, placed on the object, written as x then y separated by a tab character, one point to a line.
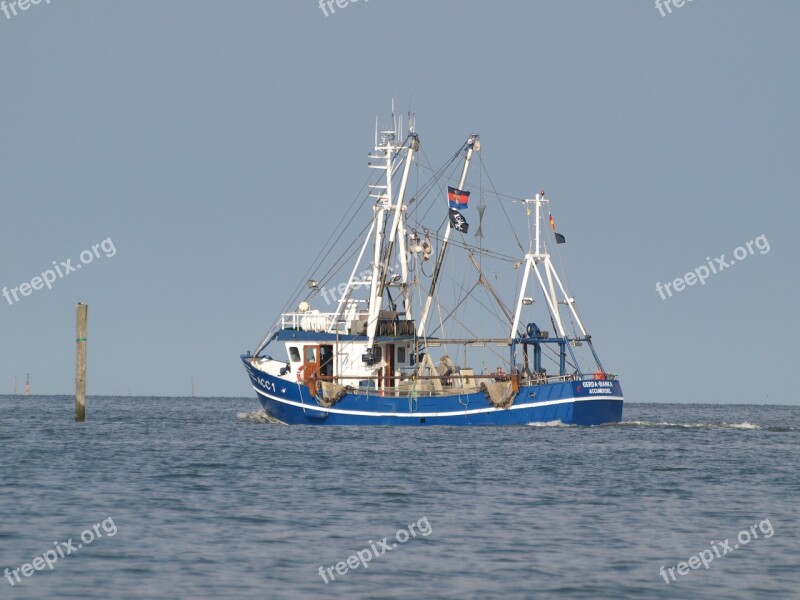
461	285
489	177
488	309
357	238
569	288
441	171
495	194
310	271
324	251
481	203
342	260
297	290
555	358
441	325
490	289
396	164
338	263
468	247
508	198
440	174
569	312
530	230
493	310
435	175
455	308
553	321
518	286
490	348
419	301
567	361
505	197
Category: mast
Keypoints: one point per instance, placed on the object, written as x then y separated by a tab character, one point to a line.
549	290
398	225
386	151
473	143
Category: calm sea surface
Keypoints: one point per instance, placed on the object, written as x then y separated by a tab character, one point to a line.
203	498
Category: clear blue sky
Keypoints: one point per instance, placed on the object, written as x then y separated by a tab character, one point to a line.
214	141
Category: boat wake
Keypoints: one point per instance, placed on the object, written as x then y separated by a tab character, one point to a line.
259	416
550	424
745	425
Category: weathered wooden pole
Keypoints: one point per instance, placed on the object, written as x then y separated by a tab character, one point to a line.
81	315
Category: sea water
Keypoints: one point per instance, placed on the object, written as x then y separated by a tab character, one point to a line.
208	499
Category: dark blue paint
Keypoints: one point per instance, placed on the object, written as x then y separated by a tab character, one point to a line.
584	411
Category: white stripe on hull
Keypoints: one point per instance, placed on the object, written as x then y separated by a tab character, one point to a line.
363	413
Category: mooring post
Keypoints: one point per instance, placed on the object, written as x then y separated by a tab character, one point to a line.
81	315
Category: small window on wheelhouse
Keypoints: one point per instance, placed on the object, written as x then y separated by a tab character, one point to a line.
311	354
401	354
294	354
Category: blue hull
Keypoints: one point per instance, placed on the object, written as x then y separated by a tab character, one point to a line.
571	402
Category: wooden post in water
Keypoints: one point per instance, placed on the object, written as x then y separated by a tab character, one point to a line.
81	315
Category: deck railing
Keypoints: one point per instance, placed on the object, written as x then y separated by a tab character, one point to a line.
424	385
312	321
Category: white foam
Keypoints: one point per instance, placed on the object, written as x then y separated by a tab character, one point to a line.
745	425
259	416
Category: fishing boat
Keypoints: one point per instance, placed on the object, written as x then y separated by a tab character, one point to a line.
417	332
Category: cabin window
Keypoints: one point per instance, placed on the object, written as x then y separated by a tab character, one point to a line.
311	354
294	354
401	354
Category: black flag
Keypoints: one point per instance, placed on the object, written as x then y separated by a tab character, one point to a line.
458	221
560	239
